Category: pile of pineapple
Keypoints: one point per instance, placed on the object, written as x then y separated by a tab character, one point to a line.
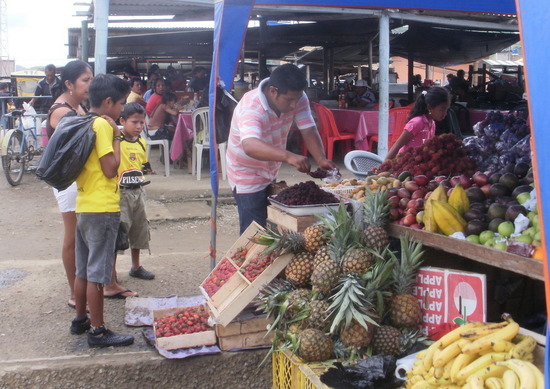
346	294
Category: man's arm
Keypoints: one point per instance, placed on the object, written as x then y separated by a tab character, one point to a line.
315	147
260	150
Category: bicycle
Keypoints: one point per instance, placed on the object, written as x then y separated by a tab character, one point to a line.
19	147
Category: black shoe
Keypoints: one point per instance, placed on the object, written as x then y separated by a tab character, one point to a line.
79	326
108	338
140	272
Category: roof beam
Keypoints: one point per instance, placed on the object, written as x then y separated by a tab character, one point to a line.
454	22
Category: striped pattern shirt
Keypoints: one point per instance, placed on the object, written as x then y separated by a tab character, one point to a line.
253	118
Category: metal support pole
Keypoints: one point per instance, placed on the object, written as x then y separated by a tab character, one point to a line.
84	41
101	23
371	80
262	60
383	83
410	91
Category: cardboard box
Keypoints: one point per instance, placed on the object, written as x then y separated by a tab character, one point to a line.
233	297
283	220
448	296
247	322
203	338
244	341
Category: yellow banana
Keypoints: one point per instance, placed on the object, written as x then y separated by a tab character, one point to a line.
492	370
446	220
454	212
460	362
502	346
510	380
449	352
454	335
494	383
459	200
480	363
447	369
438	373
525	346
421	354
484	343
422	385
414	379
429	221
526	377
529	357
539	377
428	358
439	194
476	383
485	330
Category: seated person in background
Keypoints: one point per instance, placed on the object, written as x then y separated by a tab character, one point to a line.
430	106
164	117
364	98
199	81
158	87
135	96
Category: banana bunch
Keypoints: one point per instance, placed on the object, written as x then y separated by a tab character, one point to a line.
438	194
447	218
477	356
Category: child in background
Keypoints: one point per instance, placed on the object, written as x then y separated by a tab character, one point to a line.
98	213
164	117
431	106
131	182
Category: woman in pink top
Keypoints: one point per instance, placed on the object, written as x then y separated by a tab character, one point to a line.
431	106
158	90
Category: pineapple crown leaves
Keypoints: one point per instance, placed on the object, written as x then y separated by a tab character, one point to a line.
282	341
378	283
350	303
404	272
376	208
286	241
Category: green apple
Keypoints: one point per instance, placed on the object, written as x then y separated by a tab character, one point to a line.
535	221
490	242
506	228
537	243
501	246
485	236
531	215
473	238
523	238
531	231
536	236
523	197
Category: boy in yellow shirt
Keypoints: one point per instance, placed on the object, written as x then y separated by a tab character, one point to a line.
131	182
98	213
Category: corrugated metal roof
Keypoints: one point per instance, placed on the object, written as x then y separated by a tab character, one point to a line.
499	62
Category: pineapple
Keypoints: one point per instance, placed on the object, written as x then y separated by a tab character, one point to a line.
284	242
314	346
387	341
405	311
375	215
318	315
325	276
315	237
321	255
357	259
357	335
300	268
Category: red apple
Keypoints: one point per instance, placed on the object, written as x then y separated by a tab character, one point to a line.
403	193
485	189
411	204
394	201
432	185
421	180
455	180
411	186
409	220
446	184
418	194
403	203
464	181
419	203
417	226
395	213
480	179
438	179
427	196
449	191
411	211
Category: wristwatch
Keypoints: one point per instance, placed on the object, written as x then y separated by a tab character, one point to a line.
120	138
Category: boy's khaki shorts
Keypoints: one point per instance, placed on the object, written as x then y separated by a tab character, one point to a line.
132	212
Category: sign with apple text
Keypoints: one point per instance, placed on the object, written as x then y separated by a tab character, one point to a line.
449	296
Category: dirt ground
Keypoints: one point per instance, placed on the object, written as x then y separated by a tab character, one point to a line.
34	316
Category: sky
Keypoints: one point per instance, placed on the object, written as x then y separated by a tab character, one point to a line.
38	30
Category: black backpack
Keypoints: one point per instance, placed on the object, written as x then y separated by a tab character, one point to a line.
68	150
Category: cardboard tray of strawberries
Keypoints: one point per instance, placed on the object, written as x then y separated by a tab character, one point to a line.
239	276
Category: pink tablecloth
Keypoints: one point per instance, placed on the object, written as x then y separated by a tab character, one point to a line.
184	132
363	124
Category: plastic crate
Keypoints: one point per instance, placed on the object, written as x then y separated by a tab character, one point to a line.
290	372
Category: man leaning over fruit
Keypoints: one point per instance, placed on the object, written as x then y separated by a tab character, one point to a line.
257	140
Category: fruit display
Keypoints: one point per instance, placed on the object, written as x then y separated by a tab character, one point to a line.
374	183
478	355
442	155
501	139
344	291
239	256
188	321
305	193
258	264
219	276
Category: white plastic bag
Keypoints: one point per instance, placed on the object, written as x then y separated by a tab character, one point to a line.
28	121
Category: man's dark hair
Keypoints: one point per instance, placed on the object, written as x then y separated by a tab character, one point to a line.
131	109
288	77
72	71
460	73
168	96
4	85
107	85
133	80
50	67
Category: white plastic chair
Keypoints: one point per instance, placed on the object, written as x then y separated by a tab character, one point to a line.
360	162
164	143
201	140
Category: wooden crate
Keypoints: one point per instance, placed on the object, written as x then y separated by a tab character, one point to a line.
203	338
233	297
286	221
244	341
245	331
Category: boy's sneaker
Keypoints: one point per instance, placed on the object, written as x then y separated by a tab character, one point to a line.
79	326
108	338
140	272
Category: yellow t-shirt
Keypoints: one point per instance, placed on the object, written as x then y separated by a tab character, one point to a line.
132	157
96	192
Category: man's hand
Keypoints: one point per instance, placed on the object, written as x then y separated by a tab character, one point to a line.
326	164
299	161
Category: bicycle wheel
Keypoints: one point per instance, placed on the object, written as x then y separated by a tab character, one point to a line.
14	160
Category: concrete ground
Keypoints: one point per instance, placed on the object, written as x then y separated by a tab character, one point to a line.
36	348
